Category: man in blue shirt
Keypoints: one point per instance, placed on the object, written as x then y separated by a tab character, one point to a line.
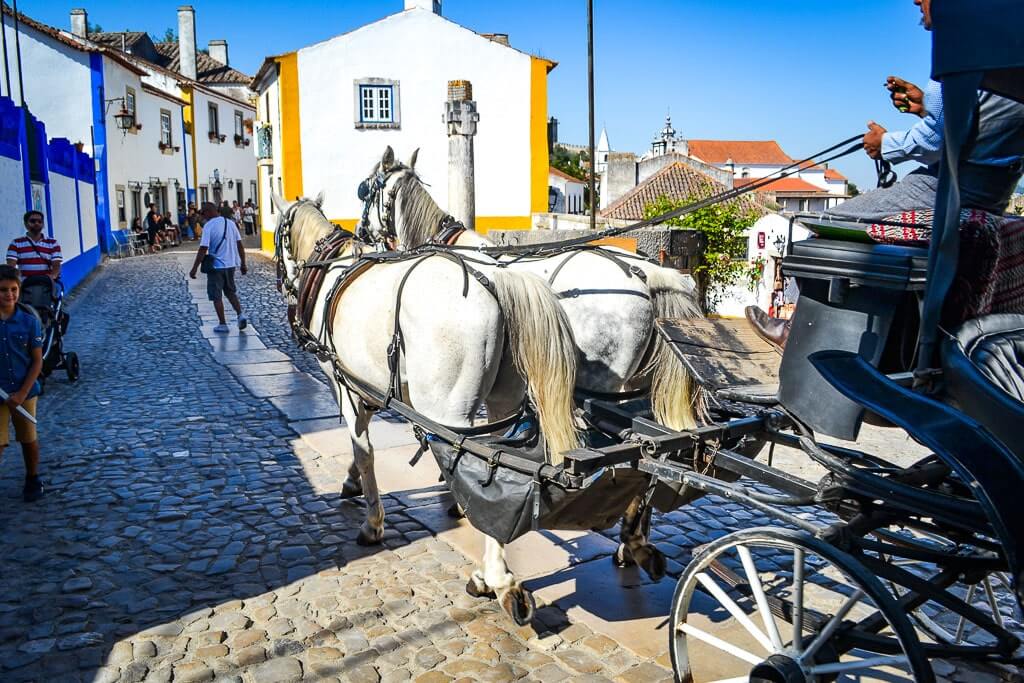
21	360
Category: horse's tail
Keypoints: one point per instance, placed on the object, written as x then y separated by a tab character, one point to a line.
676	401
544	351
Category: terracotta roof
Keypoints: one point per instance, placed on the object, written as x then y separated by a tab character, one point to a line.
113	38
833	174
208	69
562	174
784	185
739	151
676	181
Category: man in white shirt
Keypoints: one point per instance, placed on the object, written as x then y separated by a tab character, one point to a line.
222	242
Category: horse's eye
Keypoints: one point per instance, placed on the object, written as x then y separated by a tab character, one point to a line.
363	191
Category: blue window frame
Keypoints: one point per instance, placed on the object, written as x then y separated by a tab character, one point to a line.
376	104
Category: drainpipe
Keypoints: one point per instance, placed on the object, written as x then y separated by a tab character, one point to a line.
17	48
461	116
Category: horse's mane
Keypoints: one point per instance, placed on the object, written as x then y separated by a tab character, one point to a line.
309	217
421	216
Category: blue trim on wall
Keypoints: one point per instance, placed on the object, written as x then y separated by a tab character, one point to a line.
78	204
99	141
10	117
44	163
25	170
74	271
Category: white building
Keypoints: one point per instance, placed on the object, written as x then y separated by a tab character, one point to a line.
565	193
327	112
78	83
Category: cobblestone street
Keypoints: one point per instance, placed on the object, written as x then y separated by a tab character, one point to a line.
193	529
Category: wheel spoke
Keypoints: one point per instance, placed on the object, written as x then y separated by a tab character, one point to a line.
959	637
997	616
711	640
798	598
729	604
832	625
866	663
762	603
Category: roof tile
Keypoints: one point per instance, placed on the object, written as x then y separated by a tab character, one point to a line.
739	152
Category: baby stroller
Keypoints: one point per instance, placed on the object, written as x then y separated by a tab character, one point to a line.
45	298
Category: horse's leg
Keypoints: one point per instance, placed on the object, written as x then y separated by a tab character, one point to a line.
634	547
358	420
352	486
495	579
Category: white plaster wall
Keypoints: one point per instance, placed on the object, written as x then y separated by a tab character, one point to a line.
57	81
423	52
269	112
64	214
12	201
87	205
753	170
231	161
136	156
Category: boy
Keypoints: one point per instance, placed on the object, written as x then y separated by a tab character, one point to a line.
21	360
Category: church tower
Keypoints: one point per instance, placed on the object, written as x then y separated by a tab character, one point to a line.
601	152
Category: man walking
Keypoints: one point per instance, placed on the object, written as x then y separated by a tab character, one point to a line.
32	253
249	217
223	244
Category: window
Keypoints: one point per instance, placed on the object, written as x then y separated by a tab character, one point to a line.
129	104
122	218
804	204
377	103
214	121
252	191
270	188
239	127
204	194
136	204
165	130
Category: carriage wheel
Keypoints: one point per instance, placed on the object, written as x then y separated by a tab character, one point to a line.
992	594
781	606
71	366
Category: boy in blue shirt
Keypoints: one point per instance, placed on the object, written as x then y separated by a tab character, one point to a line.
21	360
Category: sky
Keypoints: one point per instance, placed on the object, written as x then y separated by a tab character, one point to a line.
806	73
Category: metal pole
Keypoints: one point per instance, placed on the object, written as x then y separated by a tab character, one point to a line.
7	65
590	85
17	48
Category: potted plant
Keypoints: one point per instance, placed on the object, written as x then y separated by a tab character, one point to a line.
248	125
223	137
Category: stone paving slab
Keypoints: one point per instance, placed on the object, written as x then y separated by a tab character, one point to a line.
265	386
250	356
206	329
280	368
236	343
297	407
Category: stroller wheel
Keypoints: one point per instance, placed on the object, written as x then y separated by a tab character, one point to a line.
71	366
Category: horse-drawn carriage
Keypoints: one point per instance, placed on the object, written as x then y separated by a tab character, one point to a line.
870	571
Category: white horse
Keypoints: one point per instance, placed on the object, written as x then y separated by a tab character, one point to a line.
611	298
462	347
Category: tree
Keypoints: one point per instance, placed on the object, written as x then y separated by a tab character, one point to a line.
93	28
170	36
568	162
852	189
724	261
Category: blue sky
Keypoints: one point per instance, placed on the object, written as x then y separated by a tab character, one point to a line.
806	73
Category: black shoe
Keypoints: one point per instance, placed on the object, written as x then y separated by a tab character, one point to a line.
33	490
775	331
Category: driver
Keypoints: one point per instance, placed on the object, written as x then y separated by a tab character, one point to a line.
33	253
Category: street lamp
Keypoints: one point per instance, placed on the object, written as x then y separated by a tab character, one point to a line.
123	118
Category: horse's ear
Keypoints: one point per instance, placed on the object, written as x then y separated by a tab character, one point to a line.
280	204
388	160
412	159
319	200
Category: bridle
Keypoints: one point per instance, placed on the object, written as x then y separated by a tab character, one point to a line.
282	245
371	193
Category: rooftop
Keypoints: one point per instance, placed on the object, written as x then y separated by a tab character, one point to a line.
677	181
784	186
739	152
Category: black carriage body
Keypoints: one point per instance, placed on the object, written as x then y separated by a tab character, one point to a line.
854	297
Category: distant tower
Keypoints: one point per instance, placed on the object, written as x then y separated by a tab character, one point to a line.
666	141
601	152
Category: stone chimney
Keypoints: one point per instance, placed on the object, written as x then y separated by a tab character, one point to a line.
187	41
619	177
80	23
218	50
429	5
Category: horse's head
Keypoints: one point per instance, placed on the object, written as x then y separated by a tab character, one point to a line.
378	193
291	218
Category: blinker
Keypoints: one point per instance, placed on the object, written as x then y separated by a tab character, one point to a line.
364	191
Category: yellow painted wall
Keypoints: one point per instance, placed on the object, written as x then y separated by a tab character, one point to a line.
291	134
484	224
538	137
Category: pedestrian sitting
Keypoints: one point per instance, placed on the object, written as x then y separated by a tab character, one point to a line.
170	234
21	360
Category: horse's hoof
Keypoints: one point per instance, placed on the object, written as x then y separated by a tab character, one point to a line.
474	592
365	539
621	559
652	561
519	604
455	511
351	489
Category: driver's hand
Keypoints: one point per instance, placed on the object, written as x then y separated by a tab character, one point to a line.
906	97
873	140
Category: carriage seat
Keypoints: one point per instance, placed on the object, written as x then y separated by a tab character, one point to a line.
983	363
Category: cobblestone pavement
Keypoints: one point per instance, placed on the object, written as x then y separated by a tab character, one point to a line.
189	535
